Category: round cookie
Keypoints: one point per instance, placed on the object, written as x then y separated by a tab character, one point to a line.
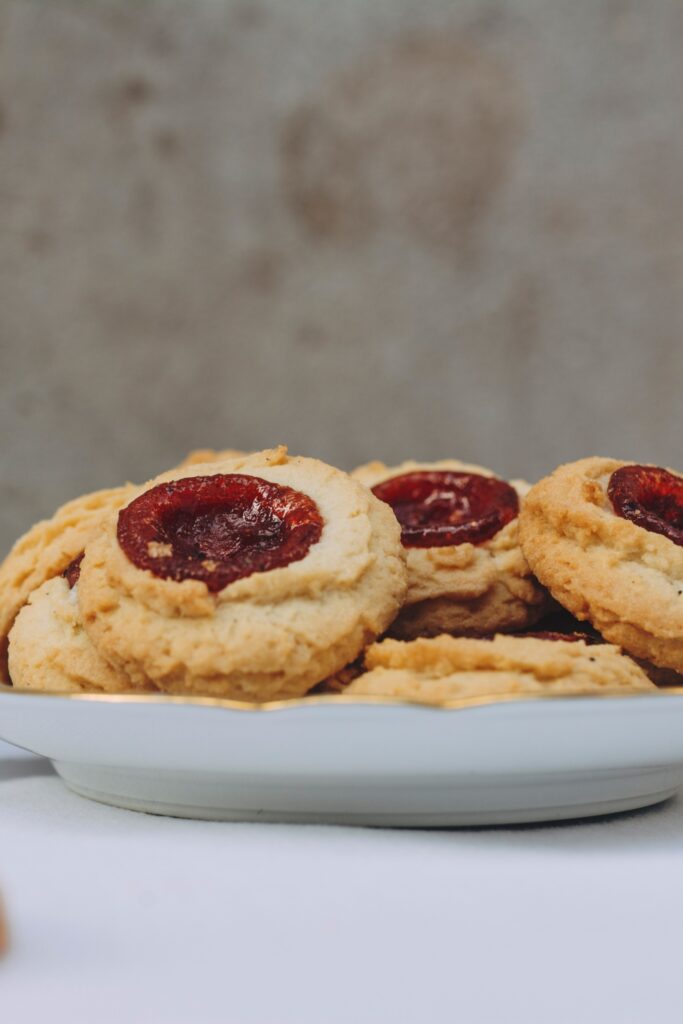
251	612
474	587
47	549
625	579
50	651
447	668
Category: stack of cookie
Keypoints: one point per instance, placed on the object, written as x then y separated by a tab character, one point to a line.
264	577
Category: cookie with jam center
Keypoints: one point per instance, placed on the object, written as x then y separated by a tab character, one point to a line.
606	538
466	571
44	551
252	578
447	668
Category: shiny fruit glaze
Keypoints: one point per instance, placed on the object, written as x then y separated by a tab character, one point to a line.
651	497
218	529
438	508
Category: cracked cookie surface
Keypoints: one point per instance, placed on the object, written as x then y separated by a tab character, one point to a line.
473	589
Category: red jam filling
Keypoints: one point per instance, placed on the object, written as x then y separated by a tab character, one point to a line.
72	572
438	508
218	529
651	497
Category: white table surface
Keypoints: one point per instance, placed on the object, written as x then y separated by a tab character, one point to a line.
124	918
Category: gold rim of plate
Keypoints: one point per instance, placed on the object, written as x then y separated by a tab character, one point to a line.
457	703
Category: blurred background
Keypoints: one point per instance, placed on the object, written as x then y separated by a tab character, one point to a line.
410	228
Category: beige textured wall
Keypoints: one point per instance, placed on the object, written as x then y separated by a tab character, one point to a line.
405	228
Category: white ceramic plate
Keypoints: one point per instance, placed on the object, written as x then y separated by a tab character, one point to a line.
359	761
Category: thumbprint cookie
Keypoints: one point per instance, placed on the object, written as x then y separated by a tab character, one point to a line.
252	578
459	529
606	538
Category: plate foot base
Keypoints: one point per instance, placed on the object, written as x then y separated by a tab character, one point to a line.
410	802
